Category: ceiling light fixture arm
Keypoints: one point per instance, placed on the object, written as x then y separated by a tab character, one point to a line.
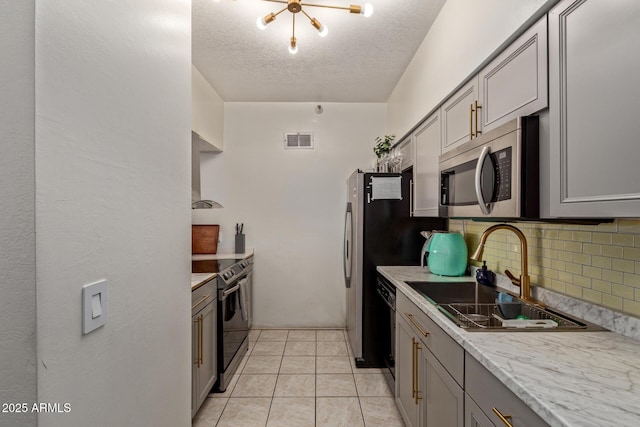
352	8
295	6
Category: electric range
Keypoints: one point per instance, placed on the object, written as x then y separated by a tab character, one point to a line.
234	312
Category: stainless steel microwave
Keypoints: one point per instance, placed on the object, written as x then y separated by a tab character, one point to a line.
495	175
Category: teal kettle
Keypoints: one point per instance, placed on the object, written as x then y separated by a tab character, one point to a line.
447	253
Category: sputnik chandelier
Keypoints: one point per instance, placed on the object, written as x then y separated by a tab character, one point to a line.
297	6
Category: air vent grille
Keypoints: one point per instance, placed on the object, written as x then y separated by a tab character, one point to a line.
298	140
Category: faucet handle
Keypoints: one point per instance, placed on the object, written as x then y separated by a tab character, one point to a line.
514	279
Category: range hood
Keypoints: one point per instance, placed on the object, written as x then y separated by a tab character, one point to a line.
196	199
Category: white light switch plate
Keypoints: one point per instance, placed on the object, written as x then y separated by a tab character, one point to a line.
94	306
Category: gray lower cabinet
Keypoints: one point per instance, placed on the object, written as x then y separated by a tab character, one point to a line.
408	405
473	415
594	109
429	370
203	347
489	400
444	398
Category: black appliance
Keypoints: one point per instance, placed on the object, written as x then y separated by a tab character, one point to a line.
387	292
379	230
233	313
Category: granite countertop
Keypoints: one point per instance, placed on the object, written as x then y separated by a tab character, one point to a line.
223	255
199	279
572	379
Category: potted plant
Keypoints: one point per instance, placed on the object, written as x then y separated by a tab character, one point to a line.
383	146
382	149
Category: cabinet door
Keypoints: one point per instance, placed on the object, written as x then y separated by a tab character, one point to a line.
405	374
426	168
594	109
194	364
444	398
406	147
457	119
207	370
515	83
473	415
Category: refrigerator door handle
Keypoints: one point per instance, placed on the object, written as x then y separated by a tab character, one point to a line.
348	237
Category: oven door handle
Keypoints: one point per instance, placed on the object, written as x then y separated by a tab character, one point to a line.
228	292
481	159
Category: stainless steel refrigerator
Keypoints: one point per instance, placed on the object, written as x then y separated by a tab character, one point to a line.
379	230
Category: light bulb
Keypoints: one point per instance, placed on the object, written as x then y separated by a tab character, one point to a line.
293	46
263	22
323	30
367	10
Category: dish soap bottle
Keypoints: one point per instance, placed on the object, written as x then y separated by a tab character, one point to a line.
485	276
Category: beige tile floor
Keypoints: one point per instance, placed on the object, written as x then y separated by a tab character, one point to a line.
301	378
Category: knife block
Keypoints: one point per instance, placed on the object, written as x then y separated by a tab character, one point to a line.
240	244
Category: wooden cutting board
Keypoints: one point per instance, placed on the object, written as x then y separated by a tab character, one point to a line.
204	239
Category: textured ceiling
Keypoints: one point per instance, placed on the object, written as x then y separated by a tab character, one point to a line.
360	60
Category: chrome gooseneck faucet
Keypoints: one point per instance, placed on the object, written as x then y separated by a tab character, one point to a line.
524	282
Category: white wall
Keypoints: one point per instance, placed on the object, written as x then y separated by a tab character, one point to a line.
464	34
112	166
291	202
17	214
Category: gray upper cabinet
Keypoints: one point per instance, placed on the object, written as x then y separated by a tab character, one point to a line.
515	83
458	116
426	174
594	109
407	149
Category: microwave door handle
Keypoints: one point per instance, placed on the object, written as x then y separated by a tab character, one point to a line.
481	159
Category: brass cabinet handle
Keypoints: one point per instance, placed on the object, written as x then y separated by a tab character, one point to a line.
201	340
476	111
504	418
411	198
410	317
413	367
200	301
418	373
471	121
197	355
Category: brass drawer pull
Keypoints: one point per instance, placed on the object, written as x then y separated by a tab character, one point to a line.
471	121
200	301
478	132
413	367
197	355
504	418
201	342
418	398
410	317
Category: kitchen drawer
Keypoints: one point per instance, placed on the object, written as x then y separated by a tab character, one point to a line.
443	347
488	393
203	295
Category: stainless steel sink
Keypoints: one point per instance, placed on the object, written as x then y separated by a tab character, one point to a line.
455	292
476	307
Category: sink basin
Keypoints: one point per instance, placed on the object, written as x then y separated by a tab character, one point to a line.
475	307
455	292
